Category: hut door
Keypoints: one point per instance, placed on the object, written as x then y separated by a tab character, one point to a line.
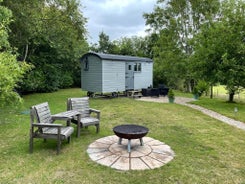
129	75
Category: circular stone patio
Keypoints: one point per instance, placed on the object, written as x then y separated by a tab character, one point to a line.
106	151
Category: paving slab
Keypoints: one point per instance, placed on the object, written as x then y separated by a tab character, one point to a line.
108	160
138	164
153	154
122	163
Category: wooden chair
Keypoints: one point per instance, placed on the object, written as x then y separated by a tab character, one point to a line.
42	126
82	105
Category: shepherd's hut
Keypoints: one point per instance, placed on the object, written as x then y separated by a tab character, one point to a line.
107	73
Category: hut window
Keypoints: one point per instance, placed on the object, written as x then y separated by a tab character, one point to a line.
129	67
137	67
86	65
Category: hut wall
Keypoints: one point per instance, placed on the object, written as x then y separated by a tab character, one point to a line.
144	78
92	78
113	76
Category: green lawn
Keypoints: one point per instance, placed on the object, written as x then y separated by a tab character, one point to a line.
223	107
207	150
220	103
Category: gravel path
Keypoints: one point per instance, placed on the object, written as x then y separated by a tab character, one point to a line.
184	101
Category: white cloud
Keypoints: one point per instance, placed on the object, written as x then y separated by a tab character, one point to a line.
115	17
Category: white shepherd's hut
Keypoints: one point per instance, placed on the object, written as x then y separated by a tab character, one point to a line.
107	73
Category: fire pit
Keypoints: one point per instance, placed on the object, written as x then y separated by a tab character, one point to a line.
130	131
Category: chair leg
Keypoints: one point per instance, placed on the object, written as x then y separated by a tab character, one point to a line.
97	128
31	140
58	141
58	146
79	125
31	144
78	129
69	139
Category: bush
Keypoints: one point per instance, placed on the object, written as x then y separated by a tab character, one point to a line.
200	88
170	93
43	79
66	80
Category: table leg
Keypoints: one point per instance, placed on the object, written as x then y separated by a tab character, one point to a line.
129	145
78	125
141	142
120	141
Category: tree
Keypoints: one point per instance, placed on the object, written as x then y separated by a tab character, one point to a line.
51	35
178	21
168	61
105	45
219	48
11	70
132	46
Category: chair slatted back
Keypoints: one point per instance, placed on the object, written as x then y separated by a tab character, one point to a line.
42	112
79	104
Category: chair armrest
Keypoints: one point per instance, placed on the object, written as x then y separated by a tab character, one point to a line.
41	125
95	111
67	119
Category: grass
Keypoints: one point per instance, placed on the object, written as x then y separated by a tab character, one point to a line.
223	107
207	150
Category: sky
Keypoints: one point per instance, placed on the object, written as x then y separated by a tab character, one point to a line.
116	18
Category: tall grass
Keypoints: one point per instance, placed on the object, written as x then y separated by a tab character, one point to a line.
206	150
221	92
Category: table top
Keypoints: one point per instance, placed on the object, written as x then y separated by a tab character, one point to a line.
130	131
66	114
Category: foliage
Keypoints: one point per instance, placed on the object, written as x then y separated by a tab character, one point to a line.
51	35
104	43
219	48
171	93
5	19
199	40
11	70
134	46
175	22
200	88
168	61
131	46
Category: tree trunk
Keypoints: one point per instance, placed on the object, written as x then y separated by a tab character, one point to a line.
26	52
231	96
211	91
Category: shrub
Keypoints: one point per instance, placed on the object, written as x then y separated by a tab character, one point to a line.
200	88
170	93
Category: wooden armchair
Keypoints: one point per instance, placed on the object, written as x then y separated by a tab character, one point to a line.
42	126
82	105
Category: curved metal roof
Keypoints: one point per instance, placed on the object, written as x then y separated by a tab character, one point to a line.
117	57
